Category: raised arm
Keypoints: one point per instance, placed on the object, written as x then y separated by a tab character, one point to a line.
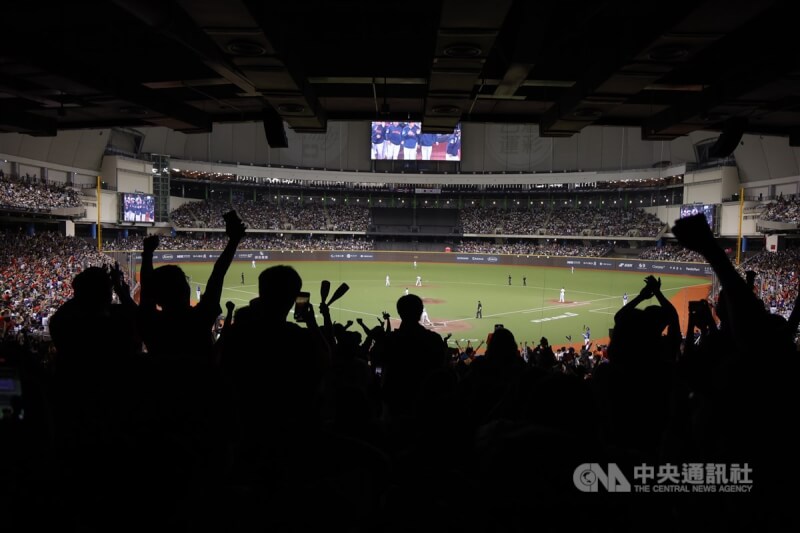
230	306
367	331
327	323
121	288
673	322
322	348
234	228
220	345
645	294
746	312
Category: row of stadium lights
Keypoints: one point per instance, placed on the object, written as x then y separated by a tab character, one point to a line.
579	201
334	199
472	203
285	180
448	201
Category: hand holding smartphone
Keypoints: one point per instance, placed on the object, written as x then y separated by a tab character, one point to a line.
234	227
301	306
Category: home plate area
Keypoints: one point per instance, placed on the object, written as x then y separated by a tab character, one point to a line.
440	324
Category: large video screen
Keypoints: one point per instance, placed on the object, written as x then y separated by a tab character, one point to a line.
404	141
709	210
138	207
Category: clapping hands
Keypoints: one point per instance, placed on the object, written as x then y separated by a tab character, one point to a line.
653	283
652	286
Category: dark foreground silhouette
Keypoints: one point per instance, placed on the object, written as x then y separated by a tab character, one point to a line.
148	420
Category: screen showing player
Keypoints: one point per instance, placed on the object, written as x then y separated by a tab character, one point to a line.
138	207
707	210
405	141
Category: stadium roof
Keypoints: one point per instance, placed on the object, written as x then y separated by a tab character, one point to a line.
667	67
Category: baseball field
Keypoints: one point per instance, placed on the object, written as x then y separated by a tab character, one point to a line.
529	306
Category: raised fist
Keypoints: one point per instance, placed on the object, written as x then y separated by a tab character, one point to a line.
693	233
234	227
150	243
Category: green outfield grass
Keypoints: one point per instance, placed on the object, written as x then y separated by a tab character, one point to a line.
451	293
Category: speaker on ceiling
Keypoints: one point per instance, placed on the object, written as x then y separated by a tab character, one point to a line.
274	130
732	132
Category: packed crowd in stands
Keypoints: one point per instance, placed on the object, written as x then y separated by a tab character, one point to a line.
784	209
606	222
561	220
671	252
267	215
776	282
34	194
566	220
321	242
35	276
488	220
269	426
250	242
528	247
633	183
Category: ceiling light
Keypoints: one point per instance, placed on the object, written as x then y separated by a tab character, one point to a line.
446	110
245	48
291	108
463	50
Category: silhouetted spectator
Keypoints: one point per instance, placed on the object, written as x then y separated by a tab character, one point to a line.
275	365
491	378
180	344
748	410
410	354
94	341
